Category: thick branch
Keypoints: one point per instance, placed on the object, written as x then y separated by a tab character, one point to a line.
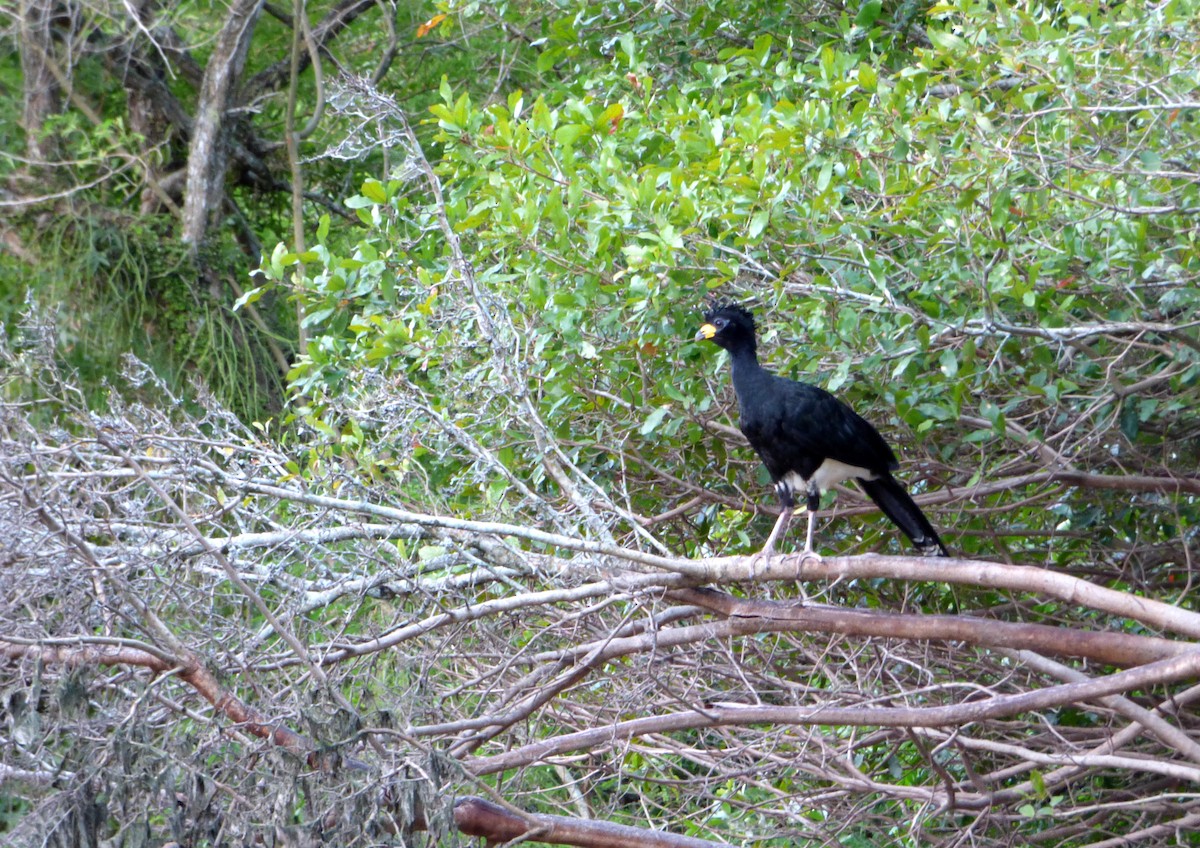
992	575
727	715
1120	649
1168	734
477	817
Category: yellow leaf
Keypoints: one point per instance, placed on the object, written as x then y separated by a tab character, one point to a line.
424	29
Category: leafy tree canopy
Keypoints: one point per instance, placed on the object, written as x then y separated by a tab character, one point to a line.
468	557
972	234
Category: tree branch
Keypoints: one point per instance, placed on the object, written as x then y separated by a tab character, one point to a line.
726	714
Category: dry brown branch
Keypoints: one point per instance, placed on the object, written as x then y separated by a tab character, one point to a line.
188	669
1110	648
477	817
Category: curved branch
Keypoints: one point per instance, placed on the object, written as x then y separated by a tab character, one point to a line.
331	26
993	575
999	706
189	669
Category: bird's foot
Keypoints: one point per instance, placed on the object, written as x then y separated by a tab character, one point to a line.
764	556
761	561
805	555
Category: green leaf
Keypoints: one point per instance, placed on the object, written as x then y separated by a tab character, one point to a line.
947	42
868	14
654	420
762	49
758	222
444	115
251	296
1001	202
949	363
825	175
1039	783
628	44
994	415
548	58
568	134
1130	422
374	191
867	77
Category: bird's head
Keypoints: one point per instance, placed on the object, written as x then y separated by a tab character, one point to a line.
728	325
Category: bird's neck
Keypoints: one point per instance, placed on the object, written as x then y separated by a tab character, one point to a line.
745	365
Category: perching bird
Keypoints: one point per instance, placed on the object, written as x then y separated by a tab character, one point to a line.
808	439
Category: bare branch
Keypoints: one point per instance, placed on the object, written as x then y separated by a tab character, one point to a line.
999	706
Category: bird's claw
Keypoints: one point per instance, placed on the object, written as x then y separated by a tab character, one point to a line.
768	554
805	556
764	554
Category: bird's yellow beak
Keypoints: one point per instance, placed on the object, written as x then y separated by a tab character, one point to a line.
707	331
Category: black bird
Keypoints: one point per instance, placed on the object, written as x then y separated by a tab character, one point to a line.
808	439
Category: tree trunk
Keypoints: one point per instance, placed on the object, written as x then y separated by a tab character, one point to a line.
208	155
40	90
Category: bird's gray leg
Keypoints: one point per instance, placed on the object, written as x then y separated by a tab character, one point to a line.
814	503
785	518
788	502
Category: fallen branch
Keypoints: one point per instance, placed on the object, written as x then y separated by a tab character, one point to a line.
729	714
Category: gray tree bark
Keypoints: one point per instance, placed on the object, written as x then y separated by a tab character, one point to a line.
41	91
208	156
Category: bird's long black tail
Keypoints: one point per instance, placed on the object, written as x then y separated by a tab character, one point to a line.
896	504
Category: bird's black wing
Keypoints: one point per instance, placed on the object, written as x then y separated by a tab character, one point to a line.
795	427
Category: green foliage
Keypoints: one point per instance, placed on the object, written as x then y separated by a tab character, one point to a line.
129	287
973	223
122	283
896	203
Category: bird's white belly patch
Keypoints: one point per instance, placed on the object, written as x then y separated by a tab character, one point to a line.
829	474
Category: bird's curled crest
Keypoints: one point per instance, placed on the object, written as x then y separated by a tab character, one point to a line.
715	306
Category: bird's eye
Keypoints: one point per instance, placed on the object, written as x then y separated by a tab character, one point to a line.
720	323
